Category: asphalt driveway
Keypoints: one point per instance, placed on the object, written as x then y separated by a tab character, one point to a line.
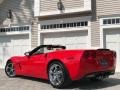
25	83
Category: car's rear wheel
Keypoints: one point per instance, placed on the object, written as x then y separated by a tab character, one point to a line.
58	76
9	69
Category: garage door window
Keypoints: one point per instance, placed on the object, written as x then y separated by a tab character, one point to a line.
12	29
65	25
111	21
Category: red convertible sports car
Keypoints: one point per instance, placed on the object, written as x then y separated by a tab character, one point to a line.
61	66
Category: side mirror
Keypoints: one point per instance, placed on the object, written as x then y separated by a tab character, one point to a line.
26	53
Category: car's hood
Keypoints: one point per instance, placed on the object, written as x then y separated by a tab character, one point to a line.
16	58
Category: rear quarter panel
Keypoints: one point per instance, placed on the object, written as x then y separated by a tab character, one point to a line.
69	58
78	66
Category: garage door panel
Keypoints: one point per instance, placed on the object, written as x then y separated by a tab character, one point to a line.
76	46
112	38
73	40
13	45
20	40
112	35
7	51
24	49
14	40
118	59
52	41
112	45
80	39
5	41
67	40
112	41
17	50
1	56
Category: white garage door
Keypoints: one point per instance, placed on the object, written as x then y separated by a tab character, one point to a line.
112	41
73	40
12	46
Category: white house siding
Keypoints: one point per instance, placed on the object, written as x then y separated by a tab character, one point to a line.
51	5
95	34
34	33
22	11
108	7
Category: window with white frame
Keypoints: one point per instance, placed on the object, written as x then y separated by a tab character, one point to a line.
16	28
111	21
65	25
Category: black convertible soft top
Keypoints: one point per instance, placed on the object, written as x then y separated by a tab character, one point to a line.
52	46
47	46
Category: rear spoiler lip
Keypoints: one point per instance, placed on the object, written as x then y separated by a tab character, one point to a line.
103	49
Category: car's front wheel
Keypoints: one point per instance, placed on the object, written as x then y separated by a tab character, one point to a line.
58	76
9	69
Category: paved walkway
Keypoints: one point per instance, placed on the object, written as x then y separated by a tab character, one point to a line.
24	83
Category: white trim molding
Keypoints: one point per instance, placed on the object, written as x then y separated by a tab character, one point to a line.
66	20
87	4
36	7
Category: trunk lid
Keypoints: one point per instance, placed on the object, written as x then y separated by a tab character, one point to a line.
105	57
100	58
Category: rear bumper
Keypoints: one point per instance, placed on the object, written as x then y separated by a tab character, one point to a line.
92	62
103	73
89	71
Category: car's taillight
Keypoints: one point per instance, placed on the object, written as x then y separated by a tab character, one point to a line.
114	54
90	54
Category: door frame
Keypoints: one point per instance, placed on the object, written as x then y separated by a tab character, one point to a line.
106	27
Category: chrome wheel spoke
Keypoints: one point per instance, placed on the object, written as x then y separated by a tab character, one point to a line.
10	69
56	74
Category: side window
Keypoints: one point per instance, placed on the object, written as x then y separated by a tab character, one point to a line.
40	51
46	50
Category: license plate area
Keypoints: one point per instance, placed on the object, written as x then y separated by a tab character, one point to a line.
103	62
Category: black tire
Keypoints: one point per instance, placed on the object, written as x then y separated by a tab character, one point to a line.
9	69
62	80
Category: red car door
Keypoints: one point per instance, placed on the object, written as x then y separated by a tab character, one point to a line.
24	66
36	65
33	65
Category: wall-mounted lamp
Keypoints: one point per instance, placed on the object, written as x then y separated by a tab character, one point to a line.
60	5
9	14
